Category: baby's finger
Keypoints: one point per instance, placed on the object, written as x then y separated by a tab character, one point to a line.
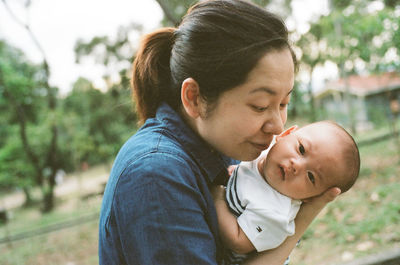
331	194
231	168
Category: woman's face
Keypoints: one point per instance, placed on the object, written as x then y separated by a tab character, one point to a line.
245	118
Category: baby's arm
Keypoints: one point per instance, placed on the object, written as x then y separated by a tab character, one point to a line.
307	213
231	233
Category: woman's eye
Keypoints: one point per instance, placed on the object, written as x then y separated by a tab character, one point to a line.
259	109
282	106
301	149
311	177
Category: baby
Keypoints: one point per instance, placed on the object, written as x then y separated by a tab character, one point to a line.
263	196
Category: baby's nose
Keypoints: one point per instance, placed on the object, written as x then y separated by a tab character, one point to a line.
297	166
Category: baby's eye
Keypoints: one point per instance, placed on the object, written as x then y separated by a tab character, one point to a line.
311	177
301	149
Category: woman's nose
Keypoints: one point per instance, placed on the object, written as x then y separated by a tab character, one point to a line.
274	125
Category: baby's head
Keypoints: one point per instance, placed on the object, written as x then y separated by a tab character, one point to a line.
305	162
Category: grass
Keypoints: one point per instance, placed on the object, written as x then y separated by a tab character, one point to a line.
73	245
76	245
38	220
363	221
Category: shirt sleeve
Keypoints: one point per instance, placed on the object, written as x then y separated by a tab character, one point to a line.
160	214
266	229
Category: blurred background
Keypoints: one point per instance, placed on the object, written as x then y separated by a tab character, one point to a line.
65	110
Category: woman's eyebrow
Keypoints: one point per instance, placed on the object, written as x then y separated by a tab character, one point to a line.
263	89
267	90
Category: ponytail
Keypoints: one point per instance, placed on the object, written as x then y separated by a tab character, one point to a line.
152	74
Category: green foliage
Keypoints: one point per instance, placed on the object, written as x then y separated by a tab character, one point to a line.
297	107
15	168
96	124
357	39
340	4
116	54
21	100
19	81
391	3
91	125
352	34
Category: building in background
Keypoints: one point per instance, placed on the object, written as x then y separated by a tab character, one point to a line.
371	100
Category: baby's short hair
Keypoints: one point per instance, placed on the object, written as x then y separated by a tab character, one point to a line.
351	156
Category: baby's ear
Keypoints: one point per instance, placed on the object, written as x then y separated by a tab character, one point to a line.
287	132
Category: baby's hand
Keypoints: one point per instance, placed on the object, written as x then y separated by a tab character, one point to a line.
231	168
218	192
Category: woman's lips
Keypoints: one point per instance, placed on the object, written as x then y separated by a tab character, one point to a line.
261	146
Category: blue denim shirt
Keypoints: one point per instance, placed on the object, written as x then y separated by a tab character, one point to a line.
157	207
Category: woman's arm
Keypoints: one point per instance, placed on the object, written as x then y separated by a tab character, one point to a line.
159	218
305	216
231	233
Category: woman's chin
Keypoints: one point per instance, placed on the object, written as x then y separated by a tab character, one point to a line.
249	156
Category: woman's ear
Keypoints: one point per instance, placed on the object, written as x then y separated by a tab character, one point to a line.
190	97
287	132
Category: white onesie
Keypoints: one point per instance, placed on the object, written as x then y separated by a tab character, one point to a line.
265	215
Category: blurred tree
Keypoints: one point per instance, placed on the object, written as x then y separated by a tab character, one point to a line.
45	160
96	124
392	3
297	107
115	54
174	10
357	38
312	55
109	126
360	38
15	167
24	159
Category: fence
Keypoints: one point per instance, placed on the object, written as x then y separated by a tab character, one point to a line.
50	228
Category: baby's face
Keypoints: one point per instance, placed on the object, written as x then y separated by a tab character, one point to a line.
306	162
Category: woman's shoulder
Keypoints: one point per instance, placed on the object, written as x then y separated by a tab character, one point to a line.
152	151
148	143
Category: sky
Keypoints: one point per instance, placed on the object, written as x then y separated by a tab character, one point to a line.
58	24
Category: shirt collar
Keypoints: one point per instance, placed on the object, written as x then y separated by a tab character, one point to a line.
211	161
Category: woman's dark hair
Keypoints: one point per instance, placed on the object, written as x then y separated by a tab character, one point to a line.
217	44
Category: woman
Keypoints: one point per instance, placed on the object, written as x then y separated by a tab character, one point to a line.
212	90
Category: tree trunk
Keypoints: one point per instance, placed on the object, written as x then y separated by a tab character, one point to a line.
312	104
28	198
48	200
169	14
51	158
